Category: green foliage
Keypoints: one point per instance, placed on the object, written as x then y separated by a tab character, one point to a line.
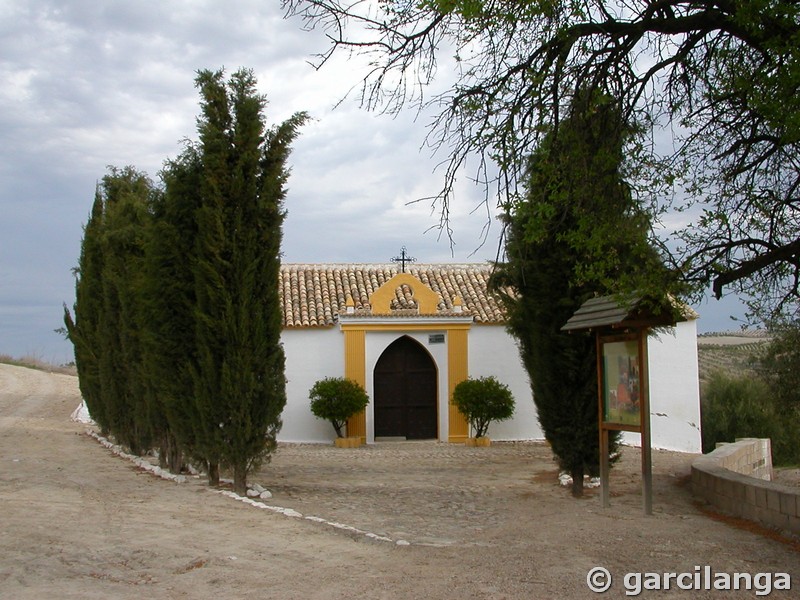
239	381
780	365
106	327
169	300
336	399
740	407
127	196
482	401
83	328
721	77
577	195
576	234
177	318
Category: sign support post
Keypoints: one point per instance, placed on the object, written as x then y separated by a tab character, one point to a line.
647	455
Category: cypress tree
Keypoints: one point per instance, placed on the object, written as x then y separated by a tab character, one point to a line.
169	302
577	233
127	195
177	320
83	329
239	381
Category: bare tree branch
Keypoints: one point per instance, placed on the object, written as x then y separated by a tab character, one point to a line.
721	73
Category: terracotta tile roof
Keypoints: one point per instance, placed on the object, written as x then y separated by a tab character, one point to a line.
313	295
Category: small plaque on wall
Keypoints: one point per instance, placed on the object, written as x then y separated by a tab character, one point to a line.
436	338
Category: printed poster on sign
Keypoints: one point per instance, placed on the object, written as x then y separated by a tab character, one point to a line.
621	383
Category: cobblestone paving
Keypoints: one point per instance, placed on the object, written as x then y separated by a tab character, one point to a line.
423	492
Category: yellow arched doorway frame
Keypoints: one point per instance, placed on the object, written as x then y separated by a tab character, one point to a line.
355	368
456	331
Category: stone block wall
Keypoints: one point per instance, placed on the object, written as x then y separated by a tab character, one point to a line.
735	478
747	456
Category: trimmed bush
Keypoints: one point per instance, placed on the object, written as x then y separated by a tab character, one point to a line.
482	401
336	399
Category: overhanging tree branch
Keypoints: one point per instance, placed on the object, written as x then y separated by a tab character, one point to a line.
718	74
789	253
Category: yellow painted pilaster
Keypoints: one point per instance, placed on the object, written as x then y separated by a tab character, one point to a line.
457	366
355	369
458	369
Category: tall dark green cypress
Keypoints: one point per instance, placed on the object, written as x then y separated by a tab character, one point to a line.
127	195
177	320
83	328
577	233
239	381
169	304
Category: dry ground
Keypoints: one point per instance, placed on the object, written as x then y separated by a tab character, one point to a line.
79	522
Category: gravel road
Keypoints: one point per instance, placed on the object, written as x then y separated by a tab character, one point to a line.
78	522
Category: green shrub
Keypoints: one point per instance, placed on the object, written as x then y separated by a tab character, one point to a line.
336	399
780	364
482	401
739	407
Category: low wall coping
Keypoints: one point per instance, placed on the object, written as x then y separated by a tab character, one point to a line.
738	494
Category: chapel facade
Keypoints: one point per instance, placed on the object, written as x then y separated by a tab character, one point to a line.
410	335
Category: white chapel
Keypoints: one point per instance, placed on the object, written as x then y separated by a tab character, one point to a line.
409	335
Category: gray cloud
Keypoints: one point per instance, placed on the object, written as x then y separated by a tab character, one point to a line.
92	84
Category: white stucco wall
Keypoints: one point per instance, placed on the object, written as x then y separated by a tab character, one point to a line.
493	352
311	354
674	386
674	390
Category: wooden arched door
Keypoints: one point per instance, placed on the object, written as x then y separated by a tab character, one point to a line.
405	392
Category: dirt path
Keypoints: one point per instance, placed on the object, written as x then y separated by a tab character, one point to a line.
78	522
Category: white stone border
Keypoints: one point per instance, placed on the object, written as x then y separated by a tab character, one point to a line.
140	462
287	512
296	515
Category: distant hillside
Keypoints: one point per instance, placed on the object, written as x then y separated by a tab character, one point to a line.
734	353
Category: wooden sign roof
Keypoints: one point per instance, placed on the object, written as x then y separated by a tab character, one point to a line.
614	312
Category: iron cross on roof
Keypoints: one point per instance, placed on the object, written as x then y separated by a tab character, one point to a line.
403	259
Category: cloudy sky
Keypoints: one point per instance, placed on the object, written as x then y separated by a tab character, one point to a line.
87	84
